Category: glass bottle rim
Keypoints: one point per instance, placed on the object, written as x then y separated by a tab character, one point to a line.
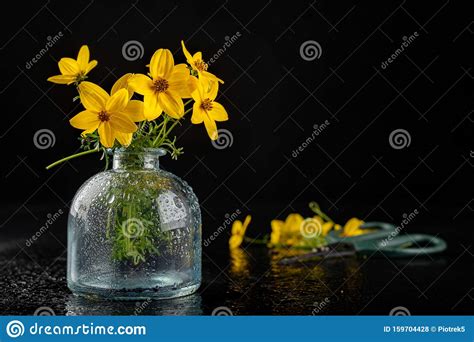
156	151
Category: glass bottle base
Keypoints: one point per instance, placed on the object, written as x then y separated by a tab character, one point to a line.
156	288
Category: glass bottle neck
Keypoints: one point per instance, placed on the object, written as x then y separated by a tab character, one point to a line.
147	159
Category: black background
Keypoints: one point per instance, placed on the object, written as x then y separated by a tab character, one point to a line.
273	97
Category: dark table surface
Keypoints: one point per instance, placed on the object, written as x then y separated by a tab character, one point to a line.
249	282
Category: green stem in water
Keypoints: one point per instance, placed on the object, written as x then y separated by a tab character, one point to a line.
80	154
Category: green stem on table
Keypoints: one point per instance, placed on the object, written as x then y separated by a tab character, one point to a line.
278	245
80	154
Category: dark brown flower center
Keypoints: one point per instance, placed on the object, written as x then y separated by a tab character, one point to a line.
200	65
160	85
103	116
206	104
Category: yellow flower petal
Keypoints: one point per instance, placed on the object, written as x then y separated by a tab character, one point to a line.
218	113
246	223
83	58
134	111
277	227
200	93
326	227
124	138
118	102
122	123
151	108
188	56
235	241
238	232
213	89
161	64
210	77
275	238
68	66
62	79
198	113
87	131
181	81
197	56
85	120
92	96
106	134
141	84
236	227
352	226
211	127
293	221
171	104
90	66
192	86
122	83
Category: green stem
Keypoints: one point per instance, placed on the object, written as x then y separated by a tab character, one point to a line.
162	130
177	121
80	154
317	210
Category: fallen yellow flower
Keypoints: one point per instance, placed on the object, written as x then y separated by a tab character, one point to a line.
352	227
297	231
238	232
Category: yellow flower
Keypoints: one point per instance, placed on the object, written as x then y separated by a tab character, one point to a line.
291	231
72	70
276	232
199	66
134	108
287	232
109	114
238	232
352	227
206	110
165	89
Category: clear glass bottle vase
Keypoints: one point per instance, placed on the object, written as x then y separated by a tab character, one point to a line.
134	232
